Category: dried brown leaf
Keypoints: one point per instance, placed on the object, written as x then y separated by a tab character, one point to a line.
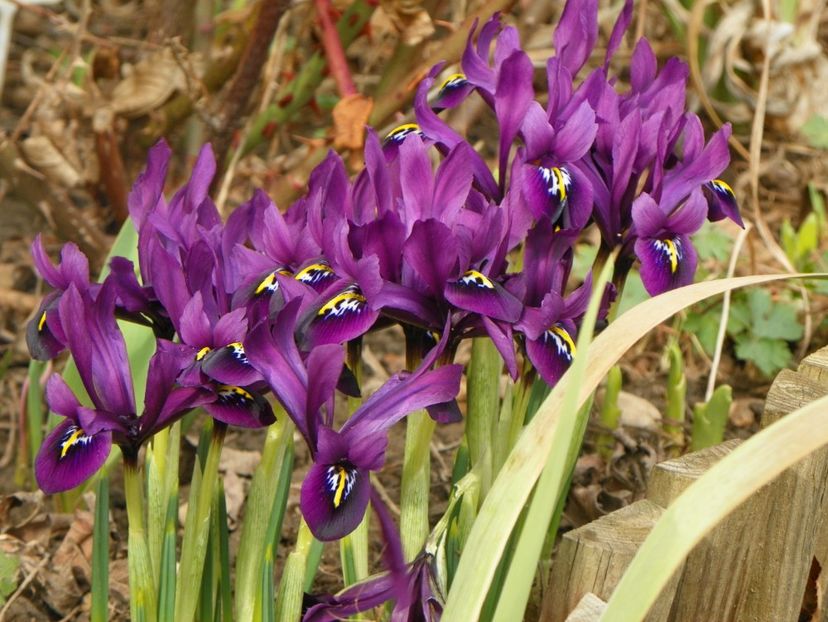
45	157
150	83
350	116
409	18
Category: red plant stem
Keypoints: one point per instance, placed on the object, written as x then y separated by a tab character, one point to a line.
334	50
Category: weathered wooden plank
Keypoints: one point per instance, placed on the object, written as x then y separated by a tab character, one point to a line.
815	366
671	478
593	558
588	610
782	534
709	585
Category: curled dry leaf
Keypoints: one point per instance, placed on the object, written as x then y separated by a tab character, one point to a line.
150	83
69	574
409	18
350	115
44	156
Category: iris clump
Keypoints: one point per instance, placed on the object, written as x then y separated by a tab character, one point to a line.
425	236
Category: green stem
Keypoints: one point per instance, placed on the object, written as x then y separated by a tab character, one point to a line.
264	506
100	554
353	548
416	483
292	585
142	599
484	404
197	529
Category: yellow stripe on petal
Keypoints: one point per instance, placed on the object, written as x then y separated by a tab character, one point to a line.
202	353
561	332
672	251
71	441
340	486
722	185
41	322
478	279
349	300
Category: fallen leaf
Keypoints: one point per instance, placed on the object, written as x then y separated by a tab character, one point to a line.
350	116
636	412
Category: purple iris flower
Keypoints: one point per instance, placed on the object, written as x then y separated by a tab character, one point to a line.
414	587
45	335
80	444
675	209
336	489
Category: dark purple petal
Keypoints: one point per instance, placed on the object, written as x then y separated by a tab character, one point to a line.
666	263
318	274
149	186
98	348
576	33
648	217
60	397
538	134
553	351
476	292
452	183
324	364
679	182
362	596
618	30
68	457
512	98
546	190
722	202
501	335
577	135
643	66
400	396
195	329
44	332
343	317
431	251
333	499
240	407
452	92
275	355
689	217
416	179
229	365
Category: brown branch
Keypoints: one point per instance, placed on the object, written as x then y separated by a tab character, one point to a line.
247	77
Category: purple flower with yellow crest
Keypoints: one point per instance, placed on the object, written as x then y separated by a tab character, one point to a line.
335	491
80	444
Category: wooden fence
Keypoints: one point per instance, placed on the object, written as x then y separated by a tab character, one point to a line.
753	567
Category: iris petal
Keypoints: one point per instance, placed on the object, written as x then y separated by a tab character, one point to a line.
552	352
722	202
666	263
398	134
229	365
237	406
452	92
334	498
476	292
342	318
548	190
317	275
69	456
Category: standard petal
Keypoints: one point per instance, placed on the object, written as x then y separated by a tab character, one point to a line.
666	263
68	457
60	397
334	498
576	33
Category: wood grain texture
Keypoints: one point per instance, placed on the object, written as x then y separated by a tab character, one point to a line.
592	559
589	609
670	478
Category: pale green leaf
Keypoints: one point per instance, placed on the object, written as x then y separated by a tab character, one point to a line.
709	500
